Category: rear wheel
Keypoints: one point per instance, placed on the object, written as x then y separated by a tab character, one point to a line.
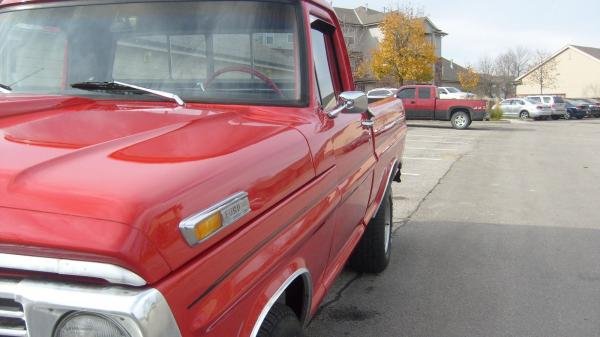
460	120
555	117
281	321
524	115
372	254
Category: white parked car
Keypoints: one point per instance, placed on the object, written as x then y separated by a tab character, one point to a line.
557	103
453	93
380	93
524	108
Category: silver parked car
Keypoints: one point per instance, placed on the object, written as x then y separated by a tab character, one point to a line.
557	104
524	108
380	93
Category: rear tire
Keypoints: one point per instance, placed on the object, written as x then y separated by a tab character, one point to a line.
555	117
524	115
372	254
281	321
460	120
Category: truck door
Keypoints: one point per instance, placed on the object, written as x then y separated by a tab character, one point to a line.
408	97
352	142
425	103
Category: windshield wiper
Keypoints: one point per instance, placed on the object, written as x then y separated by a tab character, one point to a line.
120	86
5	88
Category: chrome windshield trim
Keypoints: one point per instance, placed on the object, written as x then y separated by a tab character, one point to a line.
108	272
155	92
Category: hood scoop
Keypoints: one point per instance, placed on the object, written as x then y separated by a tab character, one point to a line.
80	129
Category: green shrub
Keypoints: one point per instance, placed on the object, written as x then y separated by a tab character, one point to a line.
496	113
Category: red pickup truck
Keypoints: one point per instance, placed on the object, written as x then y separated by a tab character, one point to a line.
423	102
184	168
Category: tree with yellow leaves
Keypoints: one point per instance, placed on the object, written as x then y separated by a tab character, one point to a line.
468	79
404	54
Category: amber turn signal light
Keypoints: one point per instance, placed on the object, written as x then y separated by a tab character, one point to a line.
208	226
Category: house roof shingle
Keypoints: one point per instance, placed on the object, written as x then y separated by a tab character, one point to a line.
359	15
594	52
590	51
450	70
367	17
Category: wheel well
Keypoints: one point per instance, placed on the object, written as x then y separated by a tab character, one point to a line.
297	296
525	111
460	109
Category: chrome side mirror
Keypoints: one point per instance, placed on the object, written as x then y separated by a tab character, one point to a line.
354	102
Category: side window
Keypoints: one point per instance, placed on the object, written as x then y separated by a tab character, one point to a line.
547	100
507	102
443	91
407	93
323	72
521	102
535	99
424	93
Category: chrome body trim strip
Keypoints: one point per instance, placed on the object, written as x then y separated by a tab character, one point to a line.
108	272
232	209
141	312
302	272
391	174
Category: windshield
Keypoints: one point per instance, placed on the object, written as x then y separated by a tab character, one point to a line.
202	51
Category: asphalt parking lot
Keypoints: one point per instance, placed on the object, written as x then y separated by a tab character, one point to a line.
496	234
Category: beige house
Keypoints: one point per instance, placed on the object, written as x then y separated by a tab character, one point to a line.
362	34
577	74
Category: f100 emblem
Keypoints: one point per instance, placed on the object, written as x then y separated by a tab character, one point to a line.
203	225
235	210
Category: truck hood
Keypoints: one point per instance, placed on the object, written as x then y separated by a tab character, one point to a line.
134	168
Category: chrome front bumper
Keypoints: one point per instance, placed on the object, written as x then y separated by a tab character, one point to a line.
42	304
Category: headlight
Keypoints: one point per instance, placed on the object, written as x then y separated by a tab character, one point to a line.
83	324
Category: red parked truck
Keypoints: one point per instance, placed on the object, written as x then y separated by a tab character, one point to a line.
184	168
423	102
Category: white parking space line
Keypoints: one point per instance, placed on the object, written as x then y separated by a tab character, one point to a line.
429	149
441	142
446	137
422	158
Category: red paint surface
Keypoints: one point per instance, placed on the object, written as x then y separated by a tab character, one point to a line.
110	181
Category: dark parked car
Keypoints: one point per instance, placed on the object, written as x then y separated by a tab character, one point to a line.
592	106
575	109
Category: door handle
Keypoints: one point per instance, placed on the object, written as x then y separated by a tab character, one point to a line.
413	102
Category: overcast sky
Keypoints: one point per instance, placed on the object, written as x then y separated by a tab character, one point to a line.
478	28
